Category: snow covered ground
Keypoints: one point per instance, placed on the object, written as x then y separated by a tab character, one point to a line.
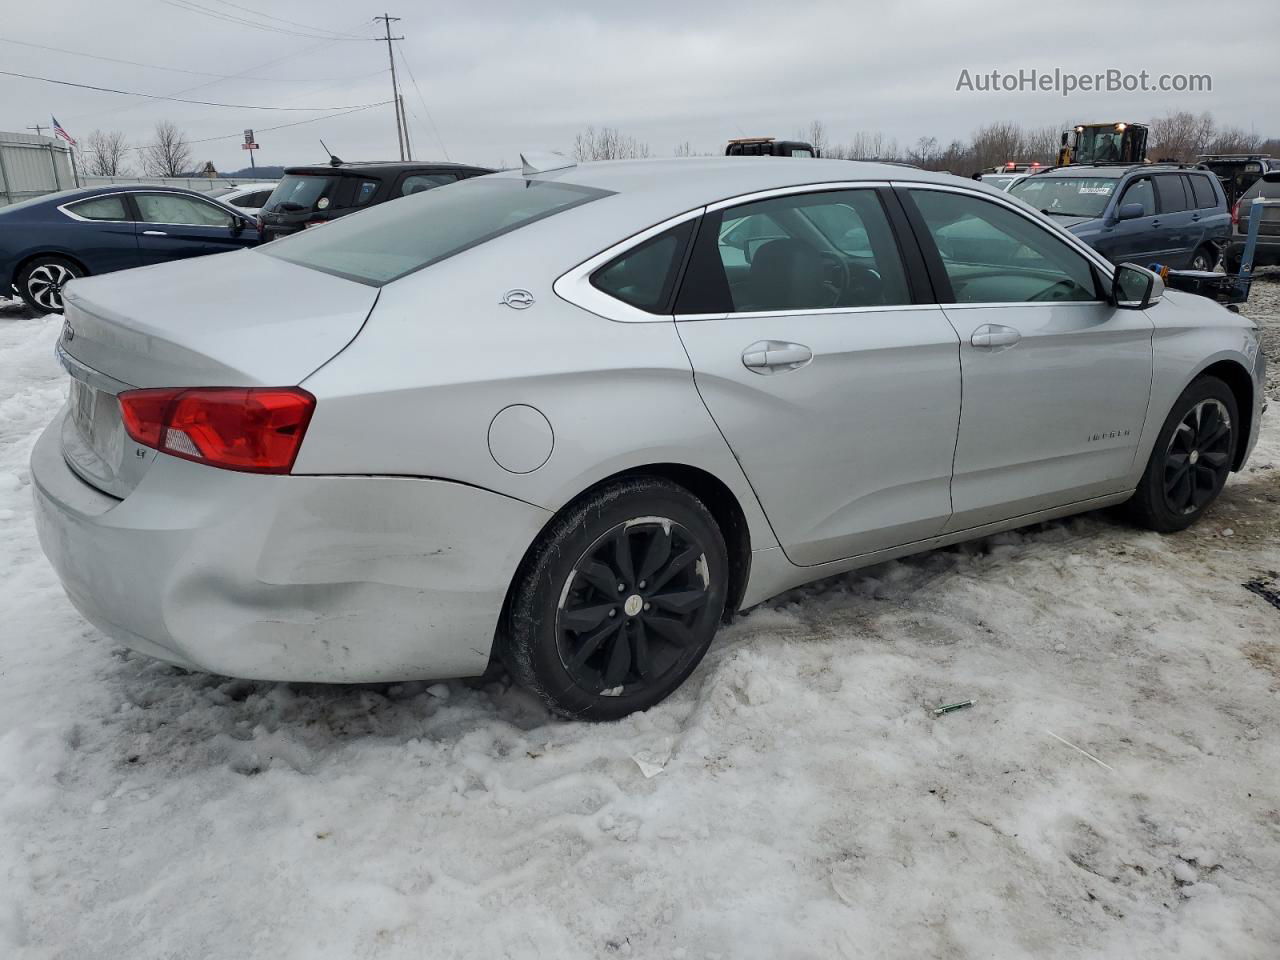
1115	792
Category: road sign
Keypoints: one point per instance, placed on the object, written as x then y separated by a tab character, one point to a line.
248	146
248	136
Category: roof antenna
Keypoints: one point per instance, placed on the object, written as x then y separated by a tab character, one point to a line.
333	161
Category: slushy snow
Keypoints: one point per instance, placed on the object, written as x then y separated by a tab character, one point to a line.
1113	792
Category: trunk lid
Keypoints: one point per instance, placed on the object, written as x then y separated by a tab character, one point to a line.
234	319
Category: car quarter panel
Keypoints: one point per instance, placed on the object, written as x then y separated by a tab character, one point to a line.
412	397
326	579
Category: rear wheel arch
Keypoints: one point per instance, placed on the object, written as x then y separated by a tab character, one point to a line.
715	495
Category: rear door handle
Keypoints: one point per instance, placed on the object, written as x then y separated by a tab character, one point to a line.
775	356
154	233
994	335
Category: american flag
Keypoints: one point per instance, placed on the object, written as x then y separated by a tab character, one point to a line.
59	132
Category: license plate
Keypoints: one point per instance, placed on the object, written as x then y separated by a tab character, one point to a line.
84	403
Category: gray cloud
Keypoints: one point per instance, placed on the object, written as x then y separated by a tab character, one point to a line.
501	76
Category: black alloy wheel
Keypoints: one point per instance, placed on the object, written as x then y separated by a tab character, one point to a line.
1198	458
618	601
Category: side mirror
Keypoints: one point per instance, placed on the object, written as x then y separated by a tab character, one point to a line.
1135	288
237	226
1131	211
1271	176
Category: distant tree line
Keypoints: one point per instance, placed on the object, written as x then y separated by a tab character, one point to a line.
1180	135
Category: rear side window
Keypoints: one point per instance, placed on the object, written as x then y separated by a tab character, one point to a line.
1173	198
394	239
646	274
795	253
1202	191
100	208
365	190
425	181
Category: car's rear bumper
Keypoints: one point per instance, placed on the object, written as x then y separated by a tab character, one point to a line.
304	578
1266	254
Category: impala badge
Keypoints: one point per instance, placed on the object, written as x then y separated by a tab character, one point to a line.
518	299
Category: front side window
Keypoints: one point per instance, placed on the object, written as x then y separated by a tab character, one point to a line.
1066	196
391	240
425	181
799	252
994	255
1141	191
177	209
101	208
645	275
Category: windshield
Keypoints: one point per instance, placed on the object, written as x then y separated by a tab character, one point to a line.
1066	196
296	193
1100	146
385	242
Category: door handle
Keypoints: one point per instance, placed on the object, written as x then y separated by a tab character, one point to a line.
1195	217
994	335
154	233
775	356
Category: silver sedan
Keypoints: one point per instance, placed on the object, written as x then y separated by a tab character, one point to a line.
574	417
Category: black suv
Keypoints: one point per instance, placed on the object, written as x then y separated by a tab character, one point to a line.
307	196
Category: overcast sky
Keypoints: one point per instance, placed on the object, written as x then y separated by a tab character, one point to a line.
499	76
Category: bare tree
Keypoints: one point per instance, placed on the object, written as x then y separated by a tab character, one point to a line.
1181	135
105	154
607	143
169	155
1234	140
817	137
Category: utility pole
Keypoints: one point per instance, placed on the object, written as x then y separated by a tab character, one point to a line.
395	87
408	147
37	128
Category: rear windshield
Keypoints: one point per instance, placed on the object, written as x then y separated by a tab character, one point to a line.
1066	196
385	242
296	193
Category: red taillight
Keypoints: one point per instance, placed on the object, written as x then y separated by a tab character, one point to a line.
258	429
1235	214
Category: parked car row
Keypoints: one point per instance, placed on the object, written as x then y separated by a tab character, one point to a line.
47	241
573	416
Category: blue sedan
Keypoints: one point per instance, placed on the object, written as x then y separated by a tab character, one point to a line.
49	240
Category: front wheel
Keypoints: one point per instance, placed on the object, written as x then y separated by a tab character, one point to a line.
41	281
1192	457
619	601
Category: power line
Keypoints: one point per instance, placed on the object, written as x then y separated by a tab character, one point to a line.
156	96
423	100
280	126
194	73
293	23
192	7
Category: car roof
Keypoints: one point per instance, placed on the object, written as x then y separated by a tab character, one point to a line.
383	167
682	183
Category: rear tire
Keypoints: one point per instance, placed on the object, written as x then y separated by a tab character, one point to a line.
40	282
1231	264
618	601
1191	459
1203	259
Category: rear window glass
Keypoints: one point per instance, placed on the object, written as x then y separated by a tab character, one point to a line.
390	240
1202	188
298	193
645	275
1066	196
101	208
